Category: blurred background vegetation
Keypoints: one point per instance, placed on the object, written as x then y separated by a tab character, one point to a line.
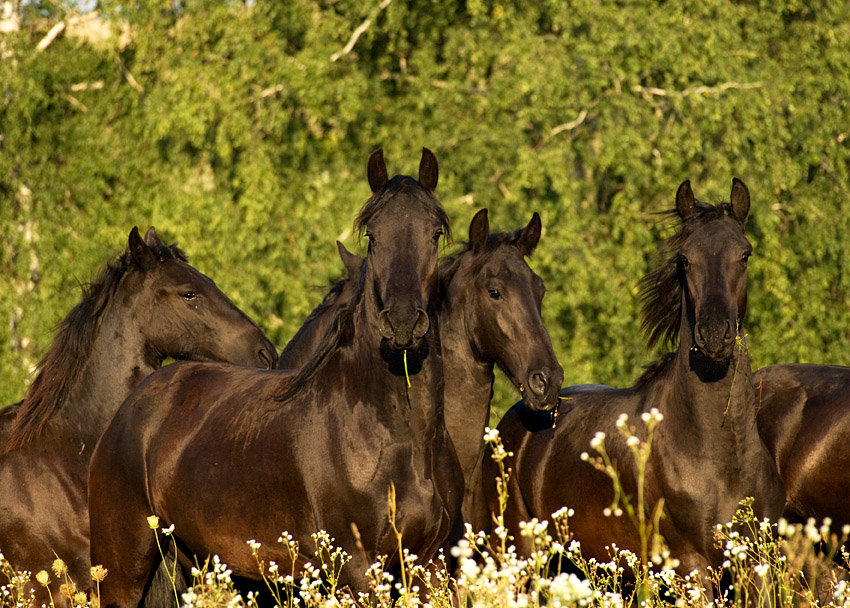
242	129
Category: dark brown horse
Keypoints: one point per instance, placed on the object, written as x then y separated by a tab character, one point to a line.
148	305
706	455
227	454
309	336
804	420
489	314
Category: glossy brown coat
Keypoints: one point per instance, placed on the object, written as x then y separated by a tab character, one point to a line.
804	420
227	454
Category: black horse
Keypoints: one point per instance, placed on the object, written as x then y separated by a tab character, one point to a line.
148	305
706	455
489	314
804	420
228	454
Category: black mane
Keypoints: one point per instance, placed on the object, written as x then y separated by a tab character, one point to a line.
60	369
339	330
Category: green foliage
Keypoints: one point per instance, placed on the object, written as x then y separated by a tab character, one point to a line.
230	128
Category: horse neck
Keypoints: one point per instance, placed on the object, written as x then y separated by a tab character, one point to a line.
117	361
727	402
468	385
418	407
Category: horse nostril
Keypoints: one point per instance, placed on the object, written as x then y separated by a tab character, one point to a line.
385	326
728	337
266	359
420	327
698	333
538	382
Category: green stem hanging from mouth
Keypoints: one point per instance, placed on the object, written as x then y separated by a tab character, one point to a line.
406	375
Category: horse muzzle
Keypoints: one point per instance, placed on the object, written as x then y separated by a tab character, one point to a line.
540	390
716	340
404	331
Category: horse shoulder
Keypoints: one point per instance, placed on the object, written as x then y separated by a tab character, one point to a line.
780	405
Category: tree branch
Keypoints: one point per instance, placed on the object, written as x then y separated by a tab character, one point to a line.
359	31
51	35
567	126
721	88
133	82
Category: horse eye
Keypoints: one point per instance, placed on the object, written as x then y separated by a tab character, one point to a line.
437	235
745	258
494	293
371	238
683	262
188	296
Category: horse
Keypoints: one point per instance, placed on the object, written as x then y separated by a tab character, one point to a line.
489	314
226	454
706	455
147	305
804	420
306	340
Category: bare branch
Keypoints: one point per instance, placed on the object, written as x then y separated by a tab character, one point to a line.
721	88
504	190
359	31
132	81
271	91
76	103
87	86
568	126
51	35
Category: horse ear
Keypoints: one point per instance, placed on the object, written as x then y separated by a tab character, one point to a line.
685	203
479	231
740	200
530	235
352	262
428	172
152	239
142	255
377	170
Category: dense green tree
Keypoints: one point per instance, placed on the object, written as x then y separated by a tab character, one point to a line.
241	130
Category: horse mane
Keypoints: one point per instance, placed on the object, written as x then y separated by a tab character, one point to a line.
60	369
401	184
450	264
660	290
248	422
654	369
327	302
339	331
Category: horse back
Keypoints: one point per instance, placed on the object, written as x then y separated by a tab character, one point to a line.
804	421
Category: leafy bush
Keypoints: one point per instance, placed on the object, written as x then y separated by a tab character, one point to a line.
242	130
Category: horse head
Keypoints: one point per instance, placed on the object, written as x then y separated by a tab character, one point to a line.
503	302
712	269
403	221
184	314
